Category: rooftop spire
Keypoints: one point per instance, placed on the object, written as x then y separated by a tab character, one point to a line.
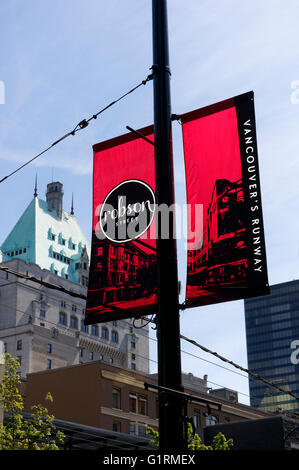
35	187
72	208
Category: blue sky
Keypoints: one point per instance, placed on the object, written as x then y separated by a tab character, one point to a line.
63	61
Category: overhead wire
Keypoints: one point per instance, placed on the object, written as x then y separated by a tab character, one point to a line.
244	369
68	330
193	342
81	125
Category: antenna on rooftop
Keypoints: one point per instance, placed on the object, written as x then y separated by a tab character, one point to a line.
35	187
72	208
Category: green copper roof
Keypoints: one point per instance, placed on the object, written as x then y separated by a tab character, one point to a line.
41	237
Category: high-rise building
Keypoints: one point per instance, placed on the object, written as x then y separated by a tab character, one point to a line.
42	326
272	331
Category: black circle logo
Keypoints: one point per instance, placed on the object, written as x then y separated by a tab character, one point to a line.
127	211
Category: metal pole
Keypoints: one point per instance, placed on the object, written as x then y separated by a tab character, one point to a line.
171	409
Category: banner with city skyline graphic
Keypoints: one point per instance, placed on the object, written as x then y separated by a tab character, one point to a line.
228	260
122	280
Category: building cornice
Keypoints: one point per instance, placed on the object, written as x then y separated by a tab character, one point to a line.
121	378
133	417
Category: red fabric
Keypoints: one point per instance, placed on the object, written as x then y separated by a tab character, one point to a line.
122	279
123	158
212	153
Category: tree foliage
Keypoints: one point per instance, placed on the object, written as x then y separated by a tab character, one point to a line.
39	433
219	442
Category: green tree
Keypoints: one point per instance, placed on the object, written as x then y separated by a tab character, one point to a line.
39	433
219	442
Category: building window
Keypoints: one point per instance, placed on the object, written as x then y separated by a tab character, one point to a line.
63	304
210	419
101	357
133	366
91	356
42	313
114	336
114	323
62	318
132	429
111	360
196	419
116	427
141	431
41	296
49	348
19	358
133	345
84	328
80	352
115	398
133	402
74	322
5	347
95	330
74	308
51	235
142	405
49	364
19	345
100	251
105	333
133	357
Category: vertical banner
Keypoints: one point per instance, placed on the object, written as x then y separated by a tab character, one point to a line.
122	280
222	175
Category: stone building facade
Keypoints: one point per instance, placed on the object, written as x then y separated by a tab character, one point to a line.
45	328
42	326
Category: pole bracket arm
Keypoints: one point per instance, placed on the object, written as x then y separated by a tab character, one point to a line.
140	135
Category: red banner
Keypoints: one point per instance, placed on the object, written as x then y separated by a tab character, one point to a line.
122	280
228	261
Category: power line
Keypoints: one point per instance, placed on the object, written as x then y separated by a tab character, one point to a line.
81	125
249	372
53	286
69	329
43	283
